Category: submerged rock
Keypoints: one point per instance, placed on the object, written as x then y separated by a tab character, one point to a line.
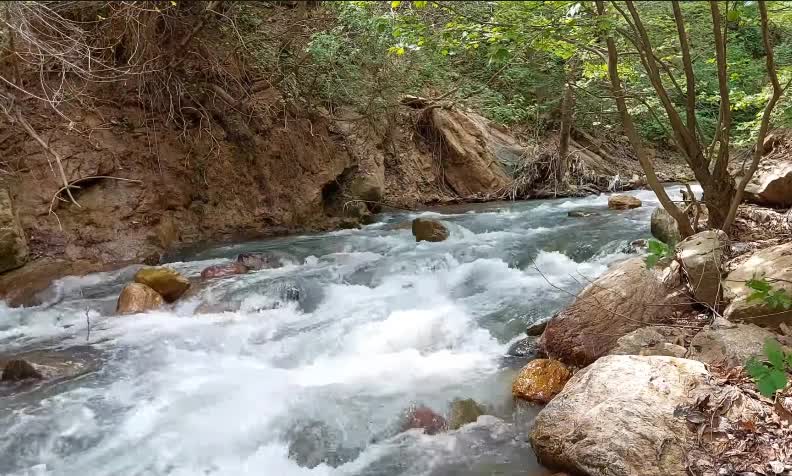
136	297
625	298
263	260
425	418
313	442
17	370
618	418
169	283
663	227
581	214
701	256
13	245
463	412
526	347
773	264
429	230
540	380
223	270
623	202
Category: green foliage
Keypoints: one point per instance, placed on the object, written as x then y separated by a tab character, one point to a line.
771	376
657	251
764	291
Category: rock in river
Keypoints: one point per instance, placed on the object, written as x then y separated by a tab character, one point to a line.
701	256
136	297
617	418
625	298
540	380
263	260
223	270
663	227
463	412
429	230
18	369
167	282
623	202
426	418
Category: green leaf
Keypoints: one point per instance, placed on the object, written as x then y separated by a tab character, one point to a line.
652	260
766	386
733	15
420	5
395	4
778	378
756	369
774	352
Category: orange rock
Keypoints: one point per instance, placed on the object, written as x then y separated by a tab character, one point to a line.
623	202
541	380
426	418
223	270
137	297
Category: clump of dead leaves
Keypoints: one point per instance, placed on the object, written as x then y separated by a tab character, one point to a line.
739	431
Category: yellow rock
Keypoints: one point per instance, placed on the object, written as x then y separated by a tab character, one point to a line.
541	380
137	297
623	202
167	282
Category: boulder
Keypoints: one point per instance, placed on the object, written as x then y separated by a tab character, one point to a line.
651	341
773	264
167	282
13	245
623	202
463	412
540	380
733	345
18	369
771	185
425	418
369	187
617	418
701	256
627	297
429	230
136	297
664	227
263	260
223	270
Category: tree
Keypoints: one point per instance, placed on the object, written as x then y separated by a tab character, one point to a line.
709	163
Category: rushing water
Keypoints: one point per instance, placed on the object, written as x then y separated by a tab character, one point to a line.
316	361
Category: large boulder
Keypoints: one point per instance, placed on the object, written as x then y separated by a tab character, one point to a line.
627	297
540	380
429	230
733	345
617	418
771	185
167	282
136	297
701	256
623	202
773	264
13	245
664	227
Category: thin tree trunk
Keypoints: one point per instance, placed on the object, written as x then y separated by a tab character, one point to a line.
567	117
683	222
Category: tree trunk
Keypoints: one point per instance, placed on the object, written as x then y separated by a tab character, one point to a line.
567	117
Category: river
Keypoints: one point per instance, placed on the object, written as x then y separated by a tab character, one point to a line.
314	362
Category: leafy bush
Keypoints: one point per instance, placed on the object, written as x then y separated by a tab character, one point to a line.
763	290
657	251
771	376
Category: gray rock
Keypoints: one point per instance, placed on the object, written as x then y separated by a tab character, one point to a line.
772	184
536	328
651	341
701	256
730	345
617	418
524	348
463	412
13	245
773	264
664	227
